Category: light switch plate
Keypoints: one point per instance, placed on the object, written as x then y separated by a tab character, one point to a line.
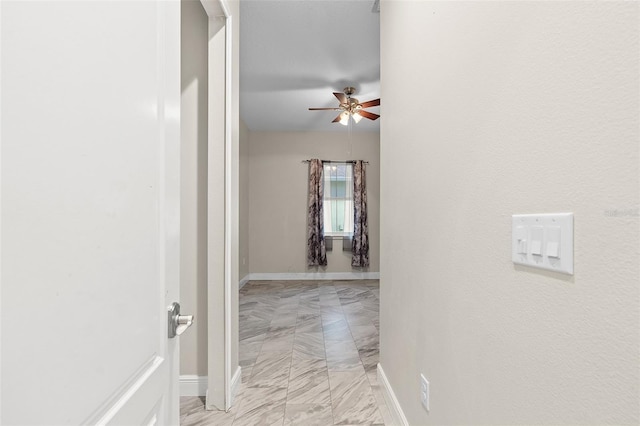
548	239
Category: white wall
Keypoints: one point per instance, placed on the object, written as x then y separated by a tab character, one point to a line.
278	198
234	8
244	259
491	109
193	211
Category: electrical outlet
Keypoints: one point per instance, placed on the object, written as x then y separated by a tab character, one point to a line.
424	392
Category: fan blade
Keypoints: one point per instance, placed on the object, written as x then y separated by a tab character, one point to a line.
341	97
337	119
369	115
324	109
372	103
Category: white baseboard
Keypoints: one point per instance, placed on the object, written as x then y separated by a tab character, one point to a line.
390	398
192	385
244	281
235	382
269	276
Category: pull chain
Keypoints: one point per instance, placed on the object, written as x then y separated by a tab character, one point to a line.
350	142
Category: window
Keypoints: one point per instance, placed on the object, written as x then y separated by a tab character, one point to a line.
338	199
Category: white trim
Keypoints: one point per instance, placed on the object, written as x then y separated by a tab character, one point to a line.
192	385
243	281
215	8
220	9
268	276
235	382
0	225
390	398
227	204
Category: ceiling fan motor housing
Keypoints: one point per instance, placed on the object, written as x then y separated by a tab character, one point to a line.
349	90
352	105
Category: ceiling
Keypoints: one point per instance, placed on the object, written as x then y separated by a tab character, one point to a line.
295	53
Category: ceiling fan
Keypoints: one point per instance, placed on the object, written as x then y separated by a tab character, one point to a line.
351	107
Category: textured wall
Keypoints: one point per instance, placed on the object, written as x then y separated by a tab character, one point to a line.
278	197
234	9
243	240
193	209
491	109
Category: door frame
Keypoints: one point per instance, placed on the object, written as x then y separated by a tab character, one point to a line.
218	13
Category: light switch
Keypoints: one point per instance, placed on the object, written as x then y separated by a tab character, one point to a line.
553	242
521	239
536	240
543	241
522	247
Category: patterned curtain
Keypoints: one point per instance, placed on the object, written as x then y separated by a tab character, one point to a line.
360	248
316	250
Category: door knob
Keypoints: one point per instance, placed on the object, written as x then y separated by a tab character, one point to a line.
178	323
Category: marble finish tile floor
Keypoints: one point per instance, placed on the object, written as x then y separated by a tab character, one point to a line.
309	355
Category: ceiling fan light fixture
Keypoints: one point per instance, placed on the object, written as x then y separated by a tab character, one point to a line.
344	118
351	107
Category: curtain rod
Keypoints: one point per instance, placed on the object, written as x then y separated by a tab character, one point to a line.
335	161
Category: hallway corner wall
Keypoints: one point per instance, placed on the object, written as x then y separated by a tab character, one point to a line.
193	210
236	135
244	259
492	109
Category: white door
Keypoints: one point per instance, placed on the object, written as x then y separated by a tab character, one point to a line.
89	202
